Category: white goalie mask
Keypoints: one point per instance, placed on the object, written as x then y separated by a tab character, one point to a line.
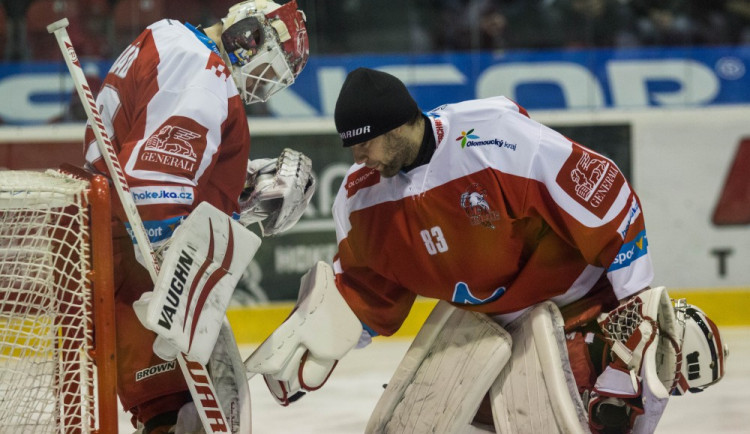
703	354
265	45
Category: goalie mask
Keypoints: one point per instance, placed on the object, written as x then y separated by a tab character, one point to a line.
703	353
265	45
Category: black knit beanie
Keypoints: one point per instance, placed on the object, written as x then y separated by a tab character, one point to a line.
371	103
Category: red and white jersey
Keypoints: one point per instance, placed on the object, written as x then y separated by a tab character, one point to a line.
508	213
178	125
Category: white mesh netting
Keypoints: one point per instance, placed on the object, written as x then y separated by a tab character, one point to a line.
46	368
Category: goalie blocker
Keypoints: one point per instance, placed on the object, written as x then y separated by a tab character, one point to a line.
203	263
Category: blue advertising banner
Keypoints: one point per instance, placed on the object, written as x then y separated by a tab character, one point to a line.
538	80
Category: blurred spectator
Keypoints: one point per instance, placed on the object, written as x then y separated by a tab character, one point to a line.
15	11
471	25
596	23
663	22
100	28
738	17
533	24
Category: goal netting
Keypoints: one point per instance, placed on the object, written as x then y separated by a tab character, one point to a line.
56	373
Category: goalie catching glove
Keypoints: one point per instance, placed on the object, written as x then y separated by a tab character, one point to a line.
302	352
277	191
656	349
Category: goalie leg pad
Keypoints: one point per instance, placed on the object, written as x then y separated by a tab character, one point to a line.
228	375
444	375
536	392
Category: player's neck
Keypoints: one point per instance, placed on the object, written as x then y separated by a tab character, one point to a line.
214	32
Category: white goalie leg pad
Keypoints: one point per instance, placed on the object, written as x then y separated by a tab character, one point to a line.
303	351
536	392
444	375
205	260
230	380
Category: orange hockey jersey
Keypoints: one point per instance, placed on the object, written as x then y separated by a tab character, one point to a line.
507	213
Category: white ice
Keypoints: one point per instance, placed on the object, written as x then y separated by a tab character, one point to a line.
344	404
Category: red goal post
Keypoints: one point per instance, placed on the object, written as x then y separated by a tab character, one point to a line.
57	332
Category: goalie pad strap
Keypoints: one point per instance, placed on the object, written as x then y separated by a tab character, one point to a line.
444	375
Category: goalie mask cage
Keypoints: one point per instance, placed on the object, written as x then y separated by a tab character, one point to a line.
57	356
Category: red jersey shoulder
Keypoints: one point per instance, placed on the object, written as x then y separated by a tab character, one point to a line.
591	179
362	178
217	65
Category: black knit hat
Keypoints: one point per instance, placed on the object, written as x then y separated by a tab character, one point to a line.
371	103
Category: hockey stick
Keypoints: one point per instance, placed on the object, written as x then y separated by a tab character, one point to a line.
196	376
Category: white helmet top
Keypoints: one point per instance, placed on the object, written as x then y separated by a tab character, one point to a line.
265	45
703	354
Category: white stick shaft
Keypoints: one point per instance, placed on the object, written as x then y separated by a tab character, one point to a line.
107	150
197	378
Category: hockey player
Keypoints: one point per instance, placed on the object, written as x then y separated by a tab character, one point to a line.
476	204
172	104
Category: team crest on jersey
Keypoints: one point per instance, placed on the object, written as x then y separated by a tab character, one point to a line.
592	180
475	205
175	145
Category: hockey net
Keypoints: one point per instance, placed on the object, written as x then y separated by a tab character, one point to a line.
57	372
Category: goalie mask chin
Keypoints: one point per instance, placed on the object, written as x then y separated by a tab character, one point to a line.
265	46
703	354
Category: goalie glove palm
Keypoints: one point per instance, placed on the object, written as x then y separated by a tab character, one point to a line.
277	191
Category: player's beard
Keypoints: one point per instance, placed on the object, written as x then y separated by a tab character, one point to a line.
399	153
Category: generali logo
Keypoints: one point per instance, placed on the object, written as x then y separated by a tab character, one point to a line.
174	148
592	180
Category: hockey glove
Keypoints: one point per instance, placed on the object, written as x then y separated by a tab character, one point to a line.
277	191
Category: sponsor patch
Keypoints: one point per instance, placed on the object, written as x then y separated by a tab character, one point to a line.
364	177
590	179
629	252
174	148
155	370
635	211
157	230
439	127
162	194
469	140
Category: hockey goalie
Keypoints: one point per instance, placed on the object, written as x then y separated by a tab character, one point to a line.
538	250
587	371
